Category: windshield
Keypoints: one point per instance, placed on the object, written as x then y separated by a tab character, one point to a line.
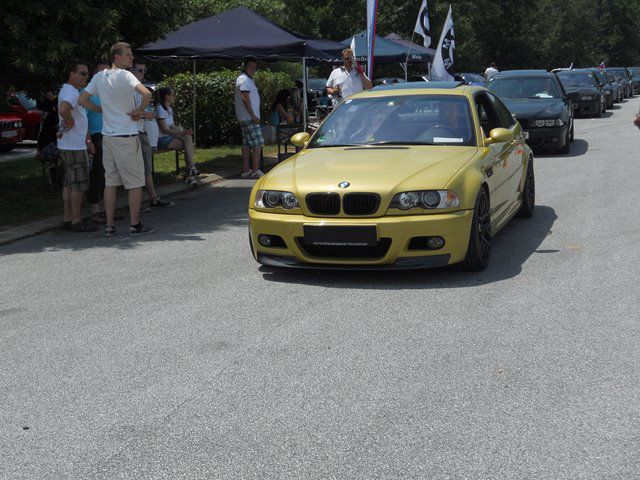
602	77
398	120
524	87
28	103
472	77
576	79
619	72
634	71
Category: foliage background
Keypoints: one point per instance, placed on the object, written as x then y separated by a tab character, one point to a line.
39	37
215	118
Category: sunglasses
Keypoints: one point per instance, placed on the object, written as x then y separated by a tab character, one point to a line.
139	69
84	74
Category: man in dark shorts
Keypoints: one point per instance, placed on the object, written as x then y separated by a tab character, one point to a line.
73	144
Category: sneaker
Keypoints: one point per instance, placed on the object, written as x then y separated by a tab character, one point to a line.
193	171
192	181
83	227
159	203
140	229
99	217
257	174
247	174
109	231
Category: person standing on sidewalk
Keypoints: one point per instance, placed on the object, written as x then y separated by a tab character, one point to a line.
348	79
155	201
73	143
121	152
246	101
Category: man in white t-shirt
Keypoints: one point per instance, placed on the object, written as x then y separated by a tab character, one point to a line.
121	152
73	143
348	79
491	71
246	101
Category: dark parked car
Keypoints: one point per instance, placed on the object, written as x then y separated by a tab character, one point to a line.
538	102
635	78
586	93
473	79
24	107
624	77
616	86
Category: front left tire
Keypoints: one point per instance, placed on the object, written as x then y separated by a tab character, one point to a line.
479	248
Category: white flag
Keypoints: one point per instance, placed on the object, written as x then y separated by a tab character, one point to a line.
422	24
443	62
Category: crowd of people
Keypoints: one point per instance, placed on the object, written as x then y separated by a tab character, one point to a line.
98	128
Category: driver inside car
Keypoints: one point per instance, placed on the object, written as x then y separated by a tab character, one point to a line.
453	121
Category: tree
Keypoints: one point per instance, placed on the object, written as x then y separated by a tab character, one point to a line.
40	37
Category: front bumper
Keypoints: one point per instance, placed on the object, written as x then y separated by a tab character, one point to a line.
394	234
587	108
553	136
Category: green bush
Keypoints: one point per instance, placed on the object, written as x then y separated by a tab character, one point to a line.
215	117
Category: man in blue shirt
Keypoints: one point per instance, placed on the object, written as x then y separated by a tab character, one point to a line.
96	175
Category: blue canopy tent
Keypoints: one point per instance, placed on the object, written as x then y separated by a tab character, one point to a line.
385	51
235	34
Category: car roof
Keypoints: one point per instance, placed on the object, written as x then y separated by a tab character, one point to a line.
421	88
521	73
420	85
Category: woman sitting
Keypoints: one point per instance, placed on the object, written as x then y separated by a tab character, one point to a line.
171	136
279	114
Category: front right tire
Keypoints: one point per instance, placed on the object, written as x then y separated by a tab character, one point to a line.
528	192
479	248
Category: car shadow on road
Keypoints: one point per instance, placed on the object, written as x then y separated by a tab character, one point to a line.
195	213
518	241
578	148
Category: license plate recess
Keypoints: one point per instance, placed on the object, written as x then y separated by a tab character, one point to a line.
341	235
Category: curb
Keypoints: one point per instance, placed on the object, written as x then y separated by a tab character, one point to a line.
31	229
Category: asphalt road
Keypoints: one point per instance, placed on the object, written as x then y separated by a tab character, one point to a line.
176	357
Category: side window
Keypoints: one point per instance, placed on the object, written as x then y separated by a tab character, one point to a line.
489	118
506	119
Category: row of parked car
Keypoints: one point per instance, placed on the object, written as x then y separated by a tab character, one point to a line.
546	103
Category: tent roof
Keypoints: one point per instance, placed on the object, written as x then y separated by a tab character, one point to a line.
415	48
385	51
233	34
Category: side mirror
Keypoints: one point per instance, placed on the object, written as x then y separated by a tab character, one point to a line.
300	139
500	135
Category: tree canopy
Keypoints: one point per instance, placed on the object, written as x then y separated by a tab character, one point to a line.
39	37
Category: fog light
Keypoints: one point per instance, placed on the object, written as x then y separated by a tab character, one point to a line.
265	240
435	243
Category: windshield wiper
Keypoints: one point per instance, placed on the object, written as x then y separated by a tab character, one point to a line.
399	143
336	145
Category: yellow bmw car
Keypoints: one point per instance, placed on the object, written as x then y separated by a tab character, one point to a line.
415	175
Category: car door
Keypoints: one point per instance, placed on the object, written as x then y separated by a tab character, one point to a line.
515	167
498	162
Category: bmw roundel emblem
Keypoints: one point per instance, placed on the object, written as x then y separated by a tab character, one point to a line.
344	184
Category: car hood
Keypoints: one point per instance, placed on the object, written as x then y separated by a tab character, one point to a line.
9	117
534	108
582	90
382	170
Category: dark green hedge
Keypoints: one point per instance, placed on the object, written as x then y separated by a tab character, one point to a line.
215	118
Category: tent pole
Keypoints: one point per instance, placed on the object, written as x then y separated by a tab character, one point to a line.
405	67
304	93
193	80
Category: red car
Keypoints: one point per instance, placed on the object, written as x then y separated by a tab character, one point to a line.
11	131
25	108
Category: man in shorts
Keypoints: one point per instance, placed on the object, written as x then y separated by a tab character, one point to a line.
138	70
73	142
121	151
246	100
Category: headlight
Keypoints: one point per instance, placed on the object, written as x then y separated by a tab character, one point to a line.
18	124
587	97
428	199
554	122
273	199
